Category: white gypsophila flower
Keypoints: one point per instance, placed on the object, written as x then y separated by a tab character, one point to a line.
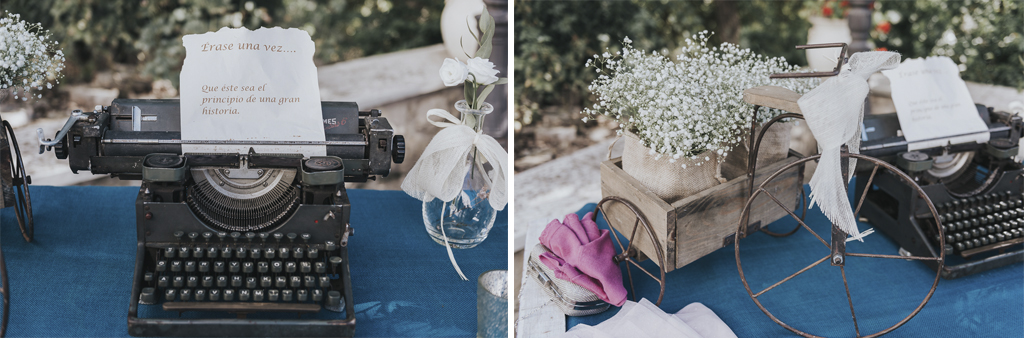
453	72
483	71
693	104
27	58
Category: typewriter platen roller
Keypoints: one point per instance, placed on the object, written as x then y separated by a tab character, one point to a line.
976	189
232	235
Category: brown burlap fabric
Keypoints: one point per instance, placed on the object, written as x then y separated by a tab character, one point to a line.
774	147
668	180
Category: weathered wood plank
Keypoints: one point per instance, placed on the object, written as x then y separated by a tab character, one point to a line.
708	218
538	316
660	215
773	97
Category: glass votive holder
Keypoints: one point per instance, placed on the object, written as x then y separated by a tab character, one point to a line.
492	304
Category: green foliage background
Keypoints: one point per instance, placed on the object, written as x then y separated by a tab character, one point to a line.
987	35
553	39
146	34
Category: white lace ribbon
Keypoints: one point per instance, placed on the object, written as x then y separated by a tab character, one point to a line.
440	171
834	111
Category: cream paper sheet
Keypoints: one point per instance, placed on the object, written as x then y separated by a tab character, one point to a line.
933	104
238	84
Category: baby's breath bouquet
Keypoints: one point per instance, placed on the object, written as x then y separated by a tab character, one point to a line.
28	59
688	108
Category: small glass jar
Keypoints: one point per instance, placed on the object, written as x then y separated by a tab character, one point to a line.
468	218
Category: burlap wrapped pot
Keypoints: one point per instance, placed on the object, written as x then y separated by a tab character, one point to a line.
668	180
774	147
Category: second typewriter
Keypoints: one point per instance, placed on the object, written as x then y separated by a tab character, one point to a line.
234	244
975	187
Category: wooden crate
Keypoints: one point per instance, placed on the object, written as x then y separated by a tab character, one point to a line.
697	225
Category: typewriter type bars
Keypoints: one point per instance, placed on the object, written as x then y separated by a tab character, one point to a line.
234	244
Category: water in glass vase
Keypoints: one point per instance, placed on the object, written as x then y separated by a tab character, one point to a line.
466	219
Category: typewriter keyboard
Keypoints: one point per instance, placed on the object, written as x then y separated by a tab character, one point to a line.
981	223
247	272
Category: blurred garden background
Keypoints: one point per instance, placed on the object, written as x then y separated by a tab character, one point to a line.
379	53
553	40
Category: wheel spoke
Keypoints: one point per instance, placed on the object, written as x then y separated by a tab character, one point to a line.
790	212
848	298
865	193
642	268
793	275
856	254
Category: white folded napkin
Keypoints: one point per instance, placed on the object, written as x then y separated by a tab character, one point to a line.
644	319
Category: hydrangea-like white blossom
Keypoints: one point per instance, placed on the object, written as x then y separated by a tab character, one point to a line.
686	107
28	60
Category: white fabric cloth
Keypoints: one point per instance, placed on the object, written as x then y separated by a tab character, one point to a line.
441	169
834	111
644	319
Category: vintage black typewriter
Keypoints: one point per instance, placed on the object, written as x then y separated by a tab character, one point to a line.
976	188
254	242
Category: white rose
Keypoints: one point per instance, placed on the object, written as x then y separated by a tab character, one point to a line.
453	72
483	71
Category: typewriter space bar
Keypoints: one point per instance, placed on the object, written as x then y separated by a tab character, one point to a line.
241	307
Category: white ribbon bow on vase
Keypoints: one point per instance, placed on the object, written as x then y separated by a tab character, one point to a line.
834	111
440	171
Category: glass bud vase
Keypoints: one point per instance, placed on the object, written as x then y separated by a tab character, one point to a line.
468	218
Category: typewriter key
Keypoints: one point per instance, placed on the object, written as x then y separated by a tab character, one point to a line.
204	266
214	295
272	295
289	267
236	281
283	253
302	295
200	295
234	266
169	253
258	295
276	267
229	295
296	282
193	281
163	281
325	282
318	295
310	282
211	252
197	252
176	266
314	253
179	281
147	296
297	252
222	281
207	281
286	295
281	282
247	267
169	295
262	267
243	295
269	253
266	282
251	282
161	266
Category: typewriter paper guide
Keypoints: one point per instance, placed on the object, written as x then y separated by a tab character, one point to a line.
260	85
933	104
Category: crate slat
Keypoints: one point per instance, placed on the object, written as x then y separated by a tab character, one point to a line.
700	224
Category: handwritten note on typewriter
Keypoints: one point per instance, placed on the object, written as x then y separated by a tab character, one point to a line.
253	86
933	104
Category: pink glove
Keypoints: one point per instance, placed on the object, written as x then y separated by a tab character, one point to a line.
580	249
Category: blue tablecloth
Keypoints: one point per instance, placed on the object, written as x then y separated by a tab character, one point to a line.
75	278
884	291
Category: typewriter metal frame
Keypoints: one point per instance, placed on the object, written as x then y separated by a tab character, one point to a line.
120	139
